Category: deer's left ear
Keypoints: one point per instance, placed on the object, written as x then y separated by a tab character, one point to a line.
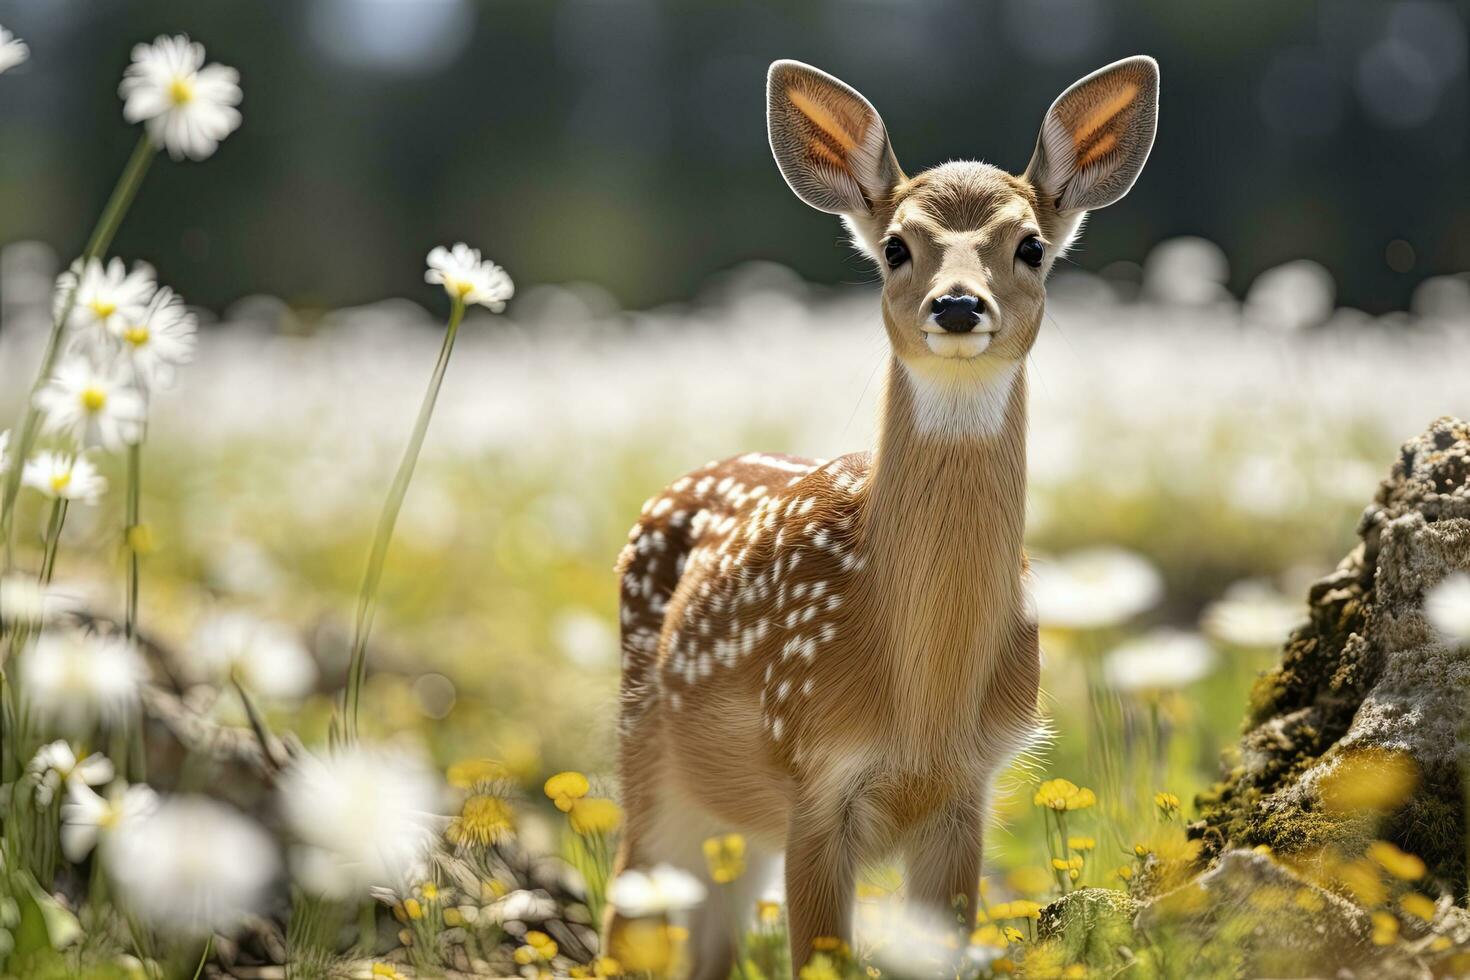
1096	137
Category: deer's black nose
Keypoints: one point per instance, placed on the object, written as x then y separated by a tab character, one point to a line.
957	314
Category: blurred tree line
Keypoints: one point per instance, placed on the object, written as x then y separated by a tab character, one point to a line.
623	141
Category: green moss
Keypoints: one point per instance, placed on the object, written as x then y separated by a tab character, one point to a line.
1092	926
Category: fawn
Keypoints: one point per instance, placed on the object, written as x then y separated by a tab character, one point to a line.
835	658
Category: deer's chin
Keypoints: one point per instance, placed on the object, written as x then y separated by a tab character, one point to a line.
957	346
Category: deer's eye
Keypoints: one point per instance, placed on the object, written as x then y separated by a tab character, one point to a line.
1031	251
895	252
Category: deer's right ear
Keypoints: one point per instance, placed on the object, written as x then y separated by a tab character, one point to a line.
828	141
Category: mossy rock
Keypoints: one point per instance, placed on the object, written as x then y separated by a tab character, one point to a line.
1092	926
1251	916
1361	731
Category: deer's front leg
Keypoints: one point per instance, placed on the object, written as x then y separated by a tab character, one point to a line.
944	862
821	864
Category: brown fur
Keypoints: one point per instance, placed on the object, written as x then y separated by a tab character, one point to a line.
833	657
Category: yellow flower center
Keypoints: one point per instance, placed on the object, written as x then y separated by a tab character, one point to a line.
181	91
59	481
461	288
102	308
94	399
137	336
484	820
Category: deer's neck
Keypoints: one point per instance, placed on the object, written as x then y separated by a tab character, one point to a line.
944	520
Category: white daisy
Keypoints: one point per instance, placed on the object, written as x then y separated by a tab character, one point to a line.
103	297
63	477
269	659
72	680
1447	606
658	891
159	339
87	818
1161	660
12	50
188	106
363	815
92	404
56	764
25	602
1094	589
1253	614
468	279
192	866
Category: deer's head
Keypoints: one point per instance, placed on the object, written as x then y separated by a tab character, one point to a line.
964	247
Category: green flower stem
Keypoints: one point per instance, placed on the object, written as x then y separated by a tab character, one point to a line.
204	956
130	532
367	596
107	225
53	538
367	927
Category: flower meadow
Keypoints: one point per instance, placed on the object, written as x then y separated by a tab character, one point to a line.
308	633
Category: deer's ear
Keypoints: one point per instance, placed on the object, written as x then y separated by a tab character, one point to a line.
1096	137
828	141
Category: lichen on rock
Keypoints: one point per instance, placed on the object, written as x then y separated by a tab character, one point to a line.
1360	733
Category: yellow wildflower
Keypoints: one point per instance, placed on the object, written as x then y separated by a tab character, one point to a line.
538	948
429	891
1076	971
643	945
725	856
1417	905
767	912
1167	803
386	971
1369	779
1385	929
989	935
1081	843
594	816
453	917
1073	863
565	787
1013	934
830	944
1440	943
468	773
820	967
482	821
1124	871
606	966
1398	863
1363	879
1063	794
413	909
1018	909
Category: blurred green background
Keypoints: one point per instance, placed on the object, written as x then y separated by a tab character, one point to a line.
622	141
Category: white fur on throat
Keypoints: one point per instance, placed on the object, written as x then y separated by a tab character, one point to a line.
961	398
